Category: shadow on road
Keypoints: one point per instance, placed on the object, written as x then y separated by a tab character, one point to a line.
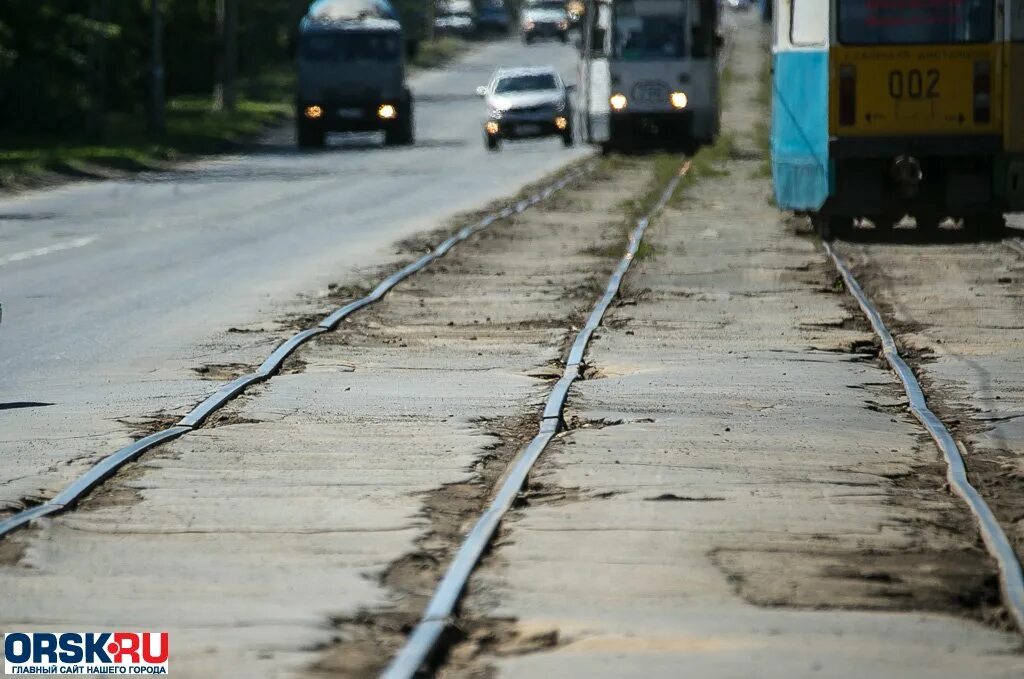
16	405
914	236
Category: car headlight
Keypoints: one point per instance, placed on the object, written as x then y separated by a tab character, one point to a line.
495	114
528	25
618	101
560	106
562	25
679	100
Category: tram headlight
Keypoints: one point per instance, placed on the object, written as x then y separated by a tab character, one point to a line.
679	100
618	101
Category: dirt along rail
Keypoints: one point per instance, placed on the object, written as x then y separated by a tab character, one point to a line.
742	490
304	526
995	539
426	639
227	392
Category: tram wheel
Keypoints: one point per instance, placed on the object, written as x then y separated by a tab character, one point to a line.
989	226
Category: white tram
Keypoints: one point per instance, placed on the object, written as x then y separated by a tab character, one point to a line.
649	73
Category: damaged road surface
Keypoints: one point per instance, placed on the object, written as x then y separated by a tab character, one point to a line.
745	494
738	489
261	541
116	292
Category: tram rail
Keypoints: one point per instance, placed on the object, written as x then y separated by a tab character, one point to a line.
1011	575
425	642
108	466
440	613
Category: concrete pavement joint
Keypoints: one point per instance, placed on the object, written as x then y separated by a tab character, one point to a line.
998	545
195	418
425	639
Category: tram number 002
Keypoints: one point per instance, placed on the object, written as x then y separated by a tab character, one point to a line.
914	84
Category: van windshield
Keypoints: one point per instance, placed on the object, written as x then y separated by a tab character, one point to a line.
350	46
649	29
916	22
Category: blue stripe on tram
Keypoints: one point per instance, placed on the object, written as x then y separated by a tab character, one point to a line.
799	134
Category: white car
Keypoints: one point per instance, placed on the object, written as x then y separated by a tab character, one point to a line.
524	103
544	19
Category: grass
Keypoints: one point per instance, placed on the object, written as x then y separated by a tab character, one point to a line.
193	127
438	52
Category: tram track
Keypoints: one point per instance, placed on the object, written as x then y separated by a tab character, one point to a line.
195	418
427	637
1015	244
1011	575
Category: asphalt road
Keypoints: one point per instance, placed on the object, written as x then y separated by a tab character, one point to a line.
114	292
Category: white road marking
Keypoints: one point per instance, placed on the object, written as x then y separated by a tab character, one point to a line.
49	249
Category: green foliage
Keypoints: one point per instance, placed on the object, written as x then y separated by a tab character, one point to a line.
438	52
70	67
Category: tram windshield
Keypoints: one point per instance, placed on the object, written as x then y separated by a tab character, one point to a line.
915	22
649	29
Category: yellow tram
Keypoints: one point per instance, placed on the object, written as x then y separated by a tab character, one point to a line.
888	108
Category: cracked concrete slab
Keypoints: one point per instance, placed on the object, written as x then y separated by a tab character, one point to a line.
803	527
254	541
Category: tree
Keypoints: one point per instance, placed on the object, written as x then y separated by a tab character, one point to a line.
225	92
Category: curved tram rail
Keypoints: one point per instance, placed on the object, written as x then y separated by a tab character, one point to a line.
1011	577
425	639
108	466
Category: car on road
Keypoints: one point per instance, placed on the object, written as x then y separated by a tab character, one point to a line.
493	17
527	102
544	19
455	17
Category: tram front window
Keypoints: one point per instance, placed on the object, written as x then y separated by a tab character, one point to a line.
901	22
651	29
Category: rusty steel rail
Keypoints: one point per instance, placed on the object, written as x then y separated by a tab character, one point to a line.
425	639
1011	578
109	465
